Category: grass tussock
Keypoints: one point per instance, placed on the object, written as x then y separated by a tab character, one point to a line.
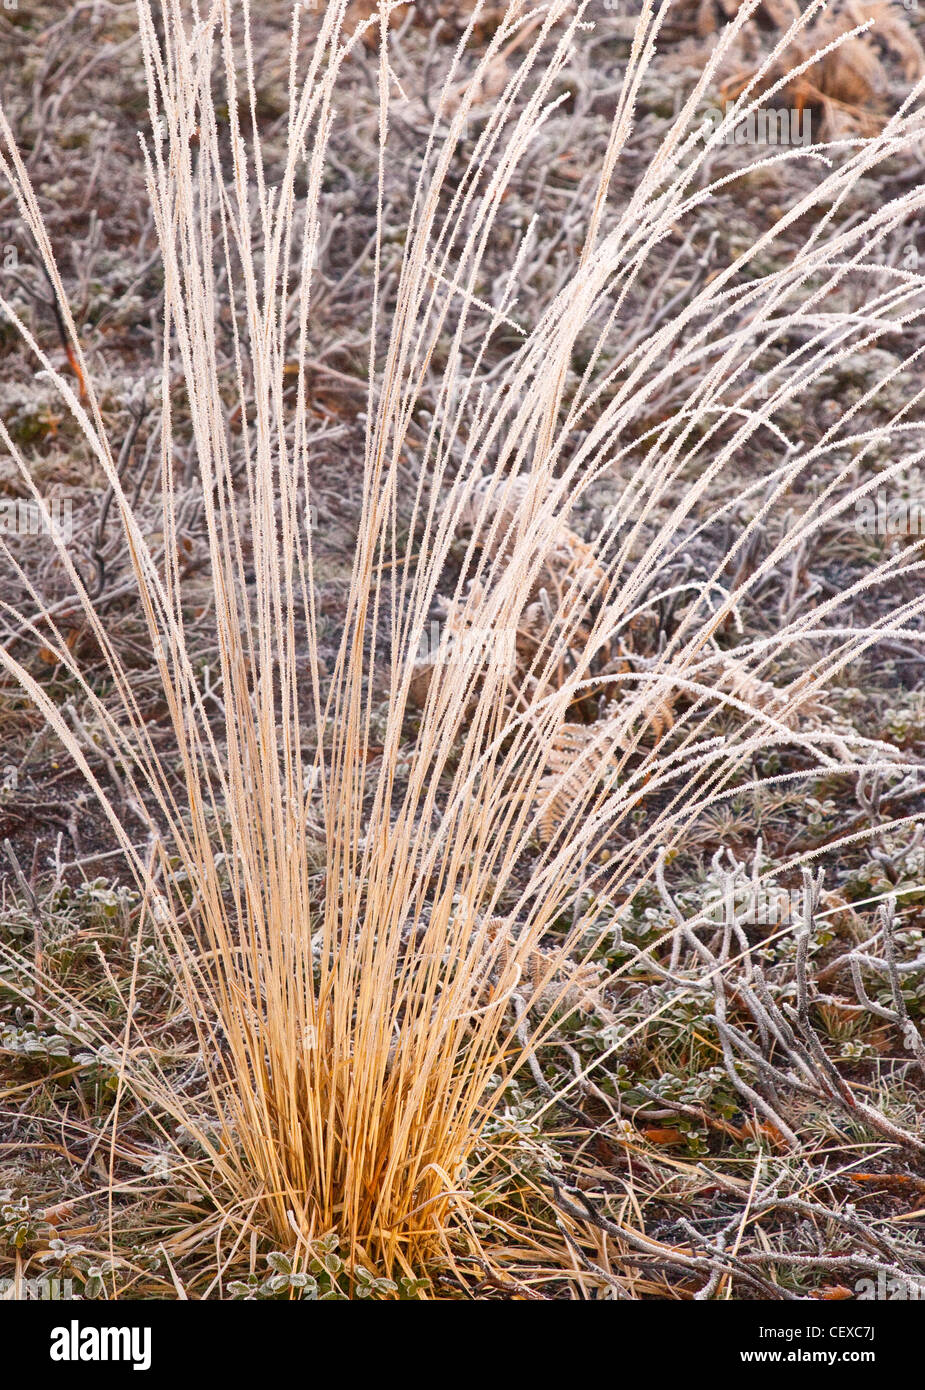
358	1031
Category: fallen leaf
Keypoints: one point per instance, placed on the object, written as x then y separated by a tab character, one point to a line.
663	1136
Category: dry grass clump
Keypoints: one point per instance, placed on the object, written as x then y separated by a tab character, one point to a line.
708	15
838	67
355	1041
